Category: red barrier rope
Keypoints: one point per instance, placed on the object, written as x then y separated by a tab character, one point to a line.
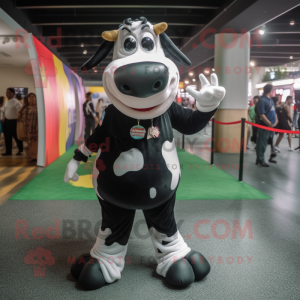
272	129
230	123
259	126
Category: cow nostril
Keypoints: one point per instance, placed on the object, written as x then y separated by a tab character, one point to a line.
157	85
126	88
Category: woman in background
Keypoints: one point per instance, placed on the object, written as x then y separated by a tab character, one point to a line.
28	115
1	116
284	117
298	148
99	111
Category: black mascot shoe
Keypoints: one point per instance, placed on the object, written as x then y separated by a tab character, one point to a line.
91	277
79	264
184	271
200	265
180	274
88	273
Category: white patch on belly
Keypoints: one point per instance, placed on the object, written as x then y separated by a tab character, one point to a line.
131	160
152	193
170	156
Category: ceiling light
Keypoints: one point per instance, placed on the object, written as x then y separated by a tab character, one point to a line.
82	45
186	81
213	69
291	57
84	52
95	71
206	71
182	90
194	79
262	30
252	64
292	23
191	73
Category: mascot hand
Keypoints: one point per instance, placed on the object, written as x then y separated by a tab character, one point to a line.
210	95
71	171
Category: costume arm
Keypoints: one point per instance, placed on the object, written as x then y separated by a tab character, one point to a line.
187	121
93	143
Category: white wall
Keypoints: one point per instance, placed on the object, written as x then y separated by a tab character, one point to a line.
233	63
15	77
258	74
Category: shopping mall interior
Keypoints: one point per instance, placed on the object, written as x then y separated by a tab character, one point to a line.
108	107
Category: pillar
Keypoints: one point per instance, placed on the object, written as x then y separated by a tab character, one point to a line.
232	65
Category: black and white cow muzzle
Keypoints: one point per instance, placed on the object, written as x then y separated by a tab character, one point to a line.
142	79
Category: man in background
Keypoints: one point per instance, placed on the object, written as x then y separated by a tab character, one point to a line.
90	115
265	109
9	122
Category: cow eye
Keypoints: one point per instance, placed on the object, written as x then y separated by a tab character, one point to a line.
147	43
129	44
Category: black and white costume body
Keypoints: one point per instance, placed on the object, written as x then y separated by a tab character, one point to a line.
141	173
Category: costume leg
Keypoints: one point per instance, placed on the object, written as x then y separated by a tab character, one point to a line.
107	257
176	262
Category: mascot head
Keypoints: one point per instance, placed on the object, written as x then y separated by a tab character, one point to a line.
140	81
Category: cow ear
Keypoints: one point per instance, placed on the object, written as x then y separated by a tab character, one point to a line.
100	55
172	51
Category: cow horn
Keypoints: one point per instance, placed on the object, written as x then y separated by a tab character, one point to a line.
160	27
110	36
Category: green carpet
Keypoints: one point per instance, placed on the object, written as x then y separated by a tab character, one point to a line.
199	181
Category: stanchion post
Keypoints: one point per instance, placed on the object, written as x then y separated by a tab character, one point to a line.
242	149
212	141
182	142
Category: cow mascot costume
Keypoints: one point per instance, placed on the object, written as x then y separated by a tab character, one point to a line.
138	167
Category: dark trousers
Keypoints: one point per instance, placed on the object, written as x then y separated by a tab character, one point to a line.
120	220
89	124
261	144
10	131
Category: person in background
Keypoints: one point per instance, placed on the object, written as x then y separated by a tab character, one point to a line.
1	116
99	110
90	115
194	106
28	115
11	108
19	97
295	118
253	119
265	109
271	138
284	117
298	148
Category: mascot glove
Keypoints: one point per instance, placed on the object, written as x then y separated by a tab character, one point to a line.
210	95
71	171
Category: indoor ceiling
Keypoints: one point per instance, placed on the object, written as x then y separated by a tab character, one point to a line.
10	54
83	23
79	23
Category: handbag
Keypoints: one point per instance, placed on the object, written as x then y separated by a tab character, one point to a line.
21	135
